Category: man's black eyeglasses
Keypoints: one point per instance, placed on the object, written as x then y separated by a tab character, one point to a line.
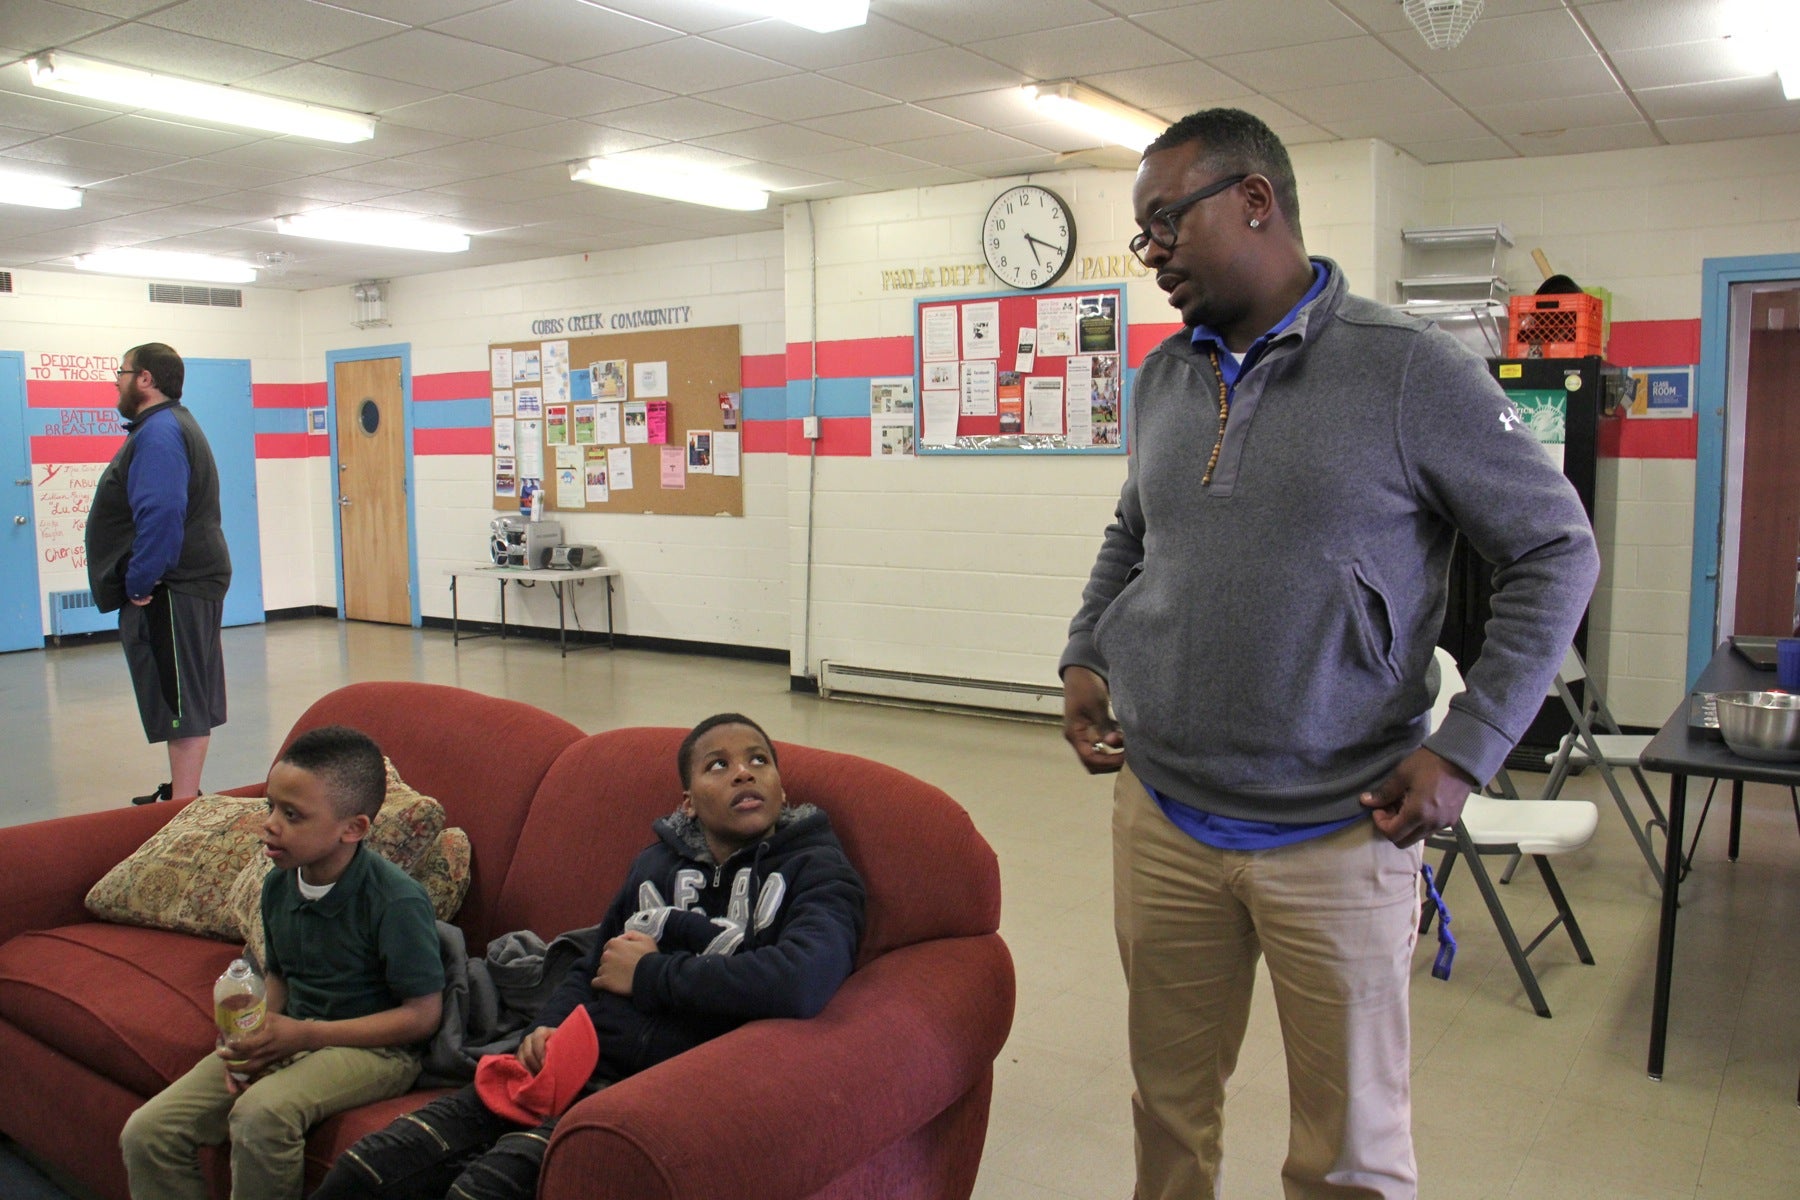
126	371
1160	228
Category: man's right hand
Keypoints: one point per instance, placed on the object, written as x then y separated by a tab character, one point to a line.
1088	724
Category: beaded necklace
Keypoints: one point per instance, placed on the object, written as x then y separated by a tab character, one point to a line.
1224	412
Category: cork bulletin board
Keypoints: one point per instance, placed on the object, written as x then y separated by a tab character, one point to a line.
599	396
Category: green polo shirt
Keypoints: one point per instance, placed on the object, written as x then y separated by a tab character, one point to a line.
367	945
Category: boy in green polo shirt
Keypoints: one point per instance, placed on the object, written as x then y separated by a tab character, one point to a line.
355	985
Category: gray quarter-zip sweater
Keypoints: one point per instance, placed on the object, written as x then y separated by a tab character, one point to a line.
1266	638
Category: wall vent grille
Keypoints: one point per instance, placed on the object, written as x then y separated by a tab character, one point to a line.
846	682
75	612
5	282
209	297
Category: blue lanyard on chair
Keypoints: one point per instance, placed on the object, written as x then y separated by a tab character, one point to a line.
1440	968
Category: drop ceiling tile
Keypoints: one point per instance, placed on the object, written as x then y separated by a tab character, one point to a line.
559	31
1505	83
94	158
775	143
476	159
569	140
689	16
786	43
167	137
1114	45
950	71
1591	140
1188	86
465	116
316	83
682	117
1317	64
861	163
686	59
1715	99
894	123
780	178
518	187
1511	121
1223	27
1528	37
1473	149
149	191
117	8
44	26
429	205
238	208
964	149
220	177
683	156
1055	136
795	97
1623	25
433	60
962	23
322	191
928	177
1769	122
1369	99
1379	15
1688	62
392	139
1278	117
1002	106
151	49
55	246
397	175
16	137
568	92
411	12
1402	129
296	28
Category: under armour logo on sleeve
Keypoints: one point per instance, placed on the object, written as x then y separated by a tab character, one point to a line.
1509	416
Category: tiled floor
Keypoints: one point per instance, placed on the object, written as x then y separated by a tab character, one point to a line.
1506	1104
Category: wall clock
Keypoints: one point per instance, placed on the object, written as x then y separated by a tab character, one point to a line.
1028	237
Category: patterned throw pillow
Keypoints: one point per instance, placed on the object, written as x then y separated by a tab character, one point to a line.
182	878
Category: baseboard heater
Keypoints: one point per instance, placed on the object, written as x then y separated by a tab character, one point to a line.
74	612
841	681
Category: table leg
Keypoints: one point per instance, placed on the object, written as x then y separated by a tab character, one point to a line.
503	610
1665	935
1737	816
455	629
609	624
562	620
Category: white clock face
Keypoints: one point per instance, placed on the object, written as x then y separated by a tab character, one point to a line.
1029	237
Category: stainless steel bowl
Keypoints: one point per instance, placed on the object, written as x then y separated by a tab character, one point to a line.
1761	725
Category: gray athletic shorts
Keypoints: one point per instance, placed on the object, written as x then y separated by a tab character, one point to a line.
199	676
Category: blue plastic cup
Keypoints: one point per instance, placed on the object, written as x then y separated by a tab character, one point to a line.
1787	663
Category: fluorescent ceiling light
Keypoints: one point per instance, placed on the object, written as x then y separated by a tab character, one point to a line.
164	264
399	233
23	189
690	187
1096	113
820	16
1766	37
201	101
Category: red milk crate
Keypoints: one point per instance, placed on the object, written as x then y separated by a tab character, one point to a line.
1565	326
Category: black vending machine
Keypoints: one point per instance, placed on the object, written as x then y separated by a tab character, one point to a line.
1562	401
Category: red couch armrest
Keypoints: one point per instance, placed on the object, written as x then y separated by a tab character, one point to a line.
47	867
906	1036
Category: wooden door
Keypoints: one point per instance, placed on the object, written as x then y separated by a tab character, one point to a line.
1769	524
371	429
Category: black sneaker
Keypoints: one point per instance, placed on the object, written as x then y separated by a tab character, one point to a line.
163	792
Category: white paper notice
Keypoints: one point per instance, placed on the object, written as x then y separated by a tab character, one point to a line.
531	402
637	423
979	398
649	380
1056	326
556	371
606	428
618	467
981	329
1081	422
938	333
503	437
569	492
531	449
727	453
526	366
500	367
892	440
1026	355
1044	405
942	376
940	417
1079	374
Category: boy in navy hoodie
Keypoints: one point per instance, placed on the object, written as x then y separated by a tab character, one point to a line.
743	908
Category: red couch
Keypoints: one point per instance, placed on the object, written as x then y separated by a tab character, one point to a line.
883	1094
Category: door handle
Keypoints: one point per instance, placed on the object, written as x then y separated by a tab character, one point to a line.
343	502
25	482
18	520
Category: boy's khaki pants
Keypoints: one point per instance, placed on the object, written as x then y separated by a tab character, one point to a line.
1335	917
266	1124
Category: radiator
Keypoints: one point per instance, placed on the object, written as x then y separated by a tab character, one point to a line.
74	612
845	682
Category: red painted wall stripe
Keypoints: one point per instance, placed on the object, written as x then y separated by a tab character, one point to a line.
1649	437
452	385
852	357
1654	343
479	440
765	437
291	445
70	393
845	437
287	395
1140	340
75	449
763	370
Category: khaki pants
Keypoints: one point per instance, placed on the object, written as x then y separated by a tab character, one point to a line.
266	1124
1335	918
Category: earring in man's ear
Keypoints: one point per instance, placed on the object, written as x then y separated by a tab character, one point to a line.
1255	224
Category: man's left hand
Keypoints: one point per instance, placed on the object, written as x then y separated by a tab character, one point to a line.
1422	795
280	1037
140	602
619	960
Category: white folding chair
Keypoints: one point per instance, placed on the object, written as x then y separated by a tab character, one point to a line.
1595	740
1492	825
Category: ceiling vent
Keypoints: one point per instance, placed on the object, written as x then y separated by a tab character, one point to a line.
207	297
5	283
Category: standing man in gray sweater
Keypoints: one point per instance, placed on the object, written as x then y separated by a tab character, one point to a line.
1260	619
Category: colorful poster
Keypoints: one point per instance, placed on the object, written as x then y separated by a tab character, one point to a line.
699	452
607	378
1010	393
618	467
942	376
637	424
649	380
556	424
597	492
730	405
1105	402
506	478
530	402
674	467
890	439
584	424
1056	317
891	397
1098	324
727	453
656	413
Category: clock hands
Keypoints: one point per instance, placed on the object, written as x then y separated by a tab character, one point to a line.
1034	243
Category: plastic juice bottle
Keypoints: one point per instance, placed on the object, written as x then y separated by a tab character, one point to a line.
239	1005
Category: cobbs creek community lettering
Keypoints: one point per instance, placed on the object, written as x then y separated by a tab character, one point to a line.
636	318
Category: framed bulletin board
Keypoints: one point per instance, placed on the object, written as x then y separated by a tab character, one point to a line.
1022	373
633	422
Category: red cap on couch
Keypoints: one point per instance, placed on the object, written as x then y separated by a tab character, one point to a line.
510	1091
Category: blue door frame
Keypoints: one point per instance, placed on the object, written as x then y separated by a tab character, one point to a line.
1717	277
217	392
403	352
21	606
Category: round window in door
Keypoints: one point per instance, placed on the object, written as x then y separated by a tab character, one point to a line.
368	416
